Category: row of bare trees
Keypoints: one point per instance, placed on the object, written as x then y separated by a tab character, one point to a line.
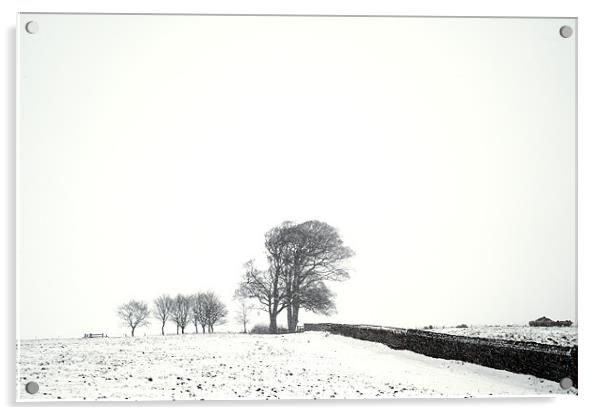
301	259
204	309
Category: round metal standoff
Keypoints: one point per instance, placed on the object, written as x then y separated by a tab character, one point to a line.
566	31
32	27
32	387
566	383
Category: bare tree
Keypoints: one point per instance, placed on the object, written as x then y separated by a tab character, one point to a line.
199	311
134	314
195	311
163	309
316	253
214	309
243	313
180	313
204	317
266	287
301	258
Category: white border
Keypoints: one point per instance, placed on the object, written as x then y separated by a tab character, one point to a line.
589	173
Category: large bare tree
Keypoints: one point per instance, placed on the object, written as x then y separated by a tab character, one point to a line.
316	254
163	309
301	258
134	314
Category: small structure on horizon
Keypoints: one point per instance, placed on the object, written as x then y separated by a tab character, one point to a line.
548	322
94	335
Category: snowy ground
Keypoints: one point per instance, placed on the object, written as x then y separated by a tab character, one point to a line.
561	336
311	365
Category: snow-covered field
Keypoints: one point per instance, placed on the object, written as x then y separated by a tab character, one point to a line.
561	336
311	365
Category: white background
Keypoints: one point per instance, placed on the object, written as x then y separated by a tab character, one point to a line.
590	207
446	164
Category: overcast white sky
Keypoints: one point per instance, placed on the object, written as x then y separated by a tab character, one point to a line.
154	152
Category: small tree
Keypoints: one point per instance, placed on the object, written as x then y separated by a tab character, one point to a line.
203	304
134	314
214	310
198	313
242	314
180	313
163	309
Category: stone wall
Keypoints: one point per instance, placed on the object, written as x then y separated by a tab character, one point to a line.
540	360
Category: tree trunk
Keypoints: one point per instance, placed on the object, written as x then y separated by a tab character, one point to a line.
163	329
196	328
244	326
289	318
182	329
273	323
295	318
178	331
289	308
133	328
203	327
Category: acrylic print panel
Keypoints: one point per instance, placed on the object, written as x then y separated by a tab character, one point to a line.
295	207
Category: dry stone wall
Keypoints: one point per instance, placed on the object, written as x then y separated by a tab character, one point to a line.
540	360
